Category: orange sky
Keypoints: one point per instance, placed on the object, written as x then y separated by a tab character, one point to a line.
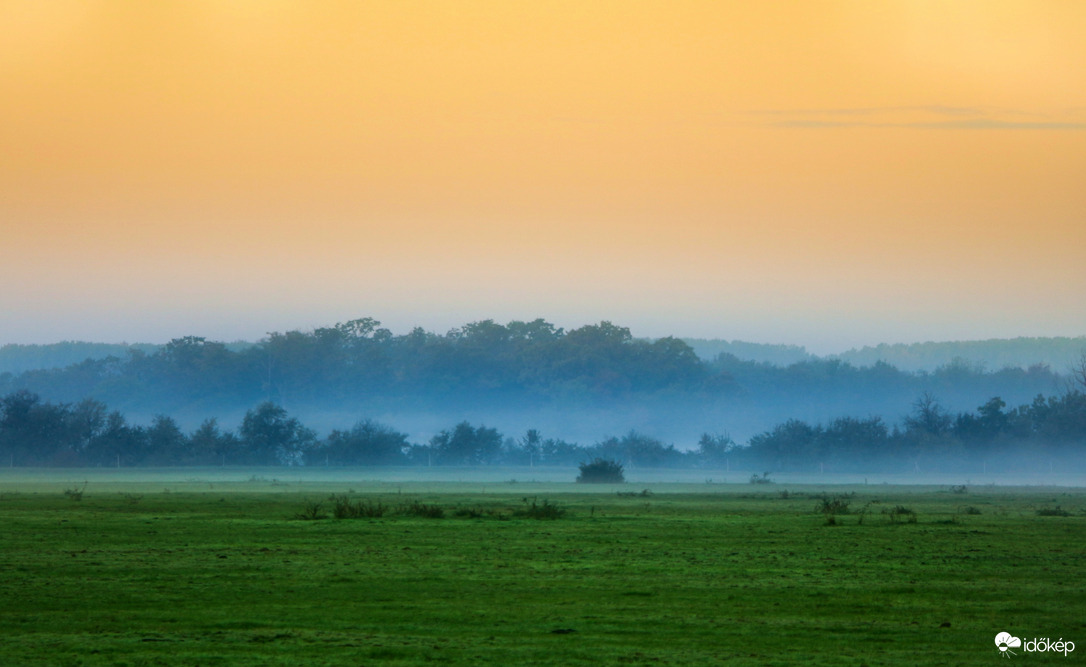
821	173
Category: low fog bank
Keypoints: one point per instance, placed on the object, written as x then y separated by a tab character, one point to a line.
529	393
513	479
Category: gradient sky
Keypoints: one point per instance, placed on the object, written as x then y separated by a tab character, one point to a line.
829	174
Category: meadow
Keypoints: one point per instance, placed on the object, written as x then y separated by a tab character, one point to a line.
205	567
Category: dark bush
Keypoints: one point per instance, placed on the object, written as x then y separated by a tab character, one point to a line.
760	479
544	510
834	504
423	510
344	508
313	511
601	471
902	513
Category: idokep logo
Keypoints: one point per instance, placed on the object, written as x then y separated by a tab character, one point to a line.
1005	641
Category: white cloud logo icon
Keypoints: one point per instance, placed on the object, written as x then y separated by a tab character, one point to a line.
1005	642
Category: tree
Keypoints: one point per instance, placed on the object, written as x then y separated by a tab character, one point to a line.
789	445
210	446
713	450
467	445
367	443
117	443
1078	373
166	443
928	417
532	446
269	437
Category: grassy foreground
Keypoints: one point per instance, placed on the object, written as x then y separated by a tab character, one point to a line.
225	573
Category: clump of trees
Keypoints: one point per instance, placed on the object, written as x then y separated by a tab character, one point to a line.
601	471
930	438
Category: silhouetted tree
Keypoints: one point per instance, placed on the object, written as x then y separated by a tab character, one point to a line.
269	436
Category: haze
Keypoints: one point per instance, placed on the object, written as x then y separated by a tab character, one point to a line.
825	174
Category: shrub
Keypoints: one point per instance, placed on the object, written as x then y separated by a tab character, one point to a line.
75	493
1053	511
312	511
970	510
544	510
761	479
832	505
601	471
423	510
960	488
476	513
344	508
902	513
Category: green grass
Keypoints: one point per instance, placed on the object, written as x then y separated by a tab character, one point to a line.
222	572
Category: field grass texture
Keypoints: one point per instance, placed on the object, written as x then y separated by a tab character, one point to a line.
204	568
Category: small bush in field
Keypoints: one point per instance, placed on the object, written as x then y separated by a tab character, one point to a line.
423	510
544	510
902	513
831	505
761	479
601	471
312	511
344	508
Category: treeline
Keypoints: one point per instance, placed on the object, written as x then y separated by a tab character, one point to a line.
992	354
1049	431
359	363
34	432
15	358
359	360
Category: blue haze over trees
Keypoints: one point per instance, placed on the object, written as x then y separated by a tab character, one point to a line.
557	388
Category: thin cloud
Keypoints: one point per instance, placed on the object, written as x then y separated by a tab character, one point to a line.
873	111
930	117
973	124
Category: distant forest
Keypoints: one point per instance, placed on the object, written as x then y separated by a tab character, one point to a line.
992	354
578	385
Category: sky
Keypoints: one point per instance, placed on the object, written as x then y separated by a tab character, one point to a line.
828	174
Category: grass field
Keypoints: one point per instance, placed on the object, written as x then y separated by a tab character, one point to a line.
210	568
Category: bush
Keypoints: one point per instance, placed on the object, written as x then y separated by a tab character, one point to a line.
601	471
477	513
902	513
312	511
545	510
344	508
75	493
423	510
760	479
831	505
1053	511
